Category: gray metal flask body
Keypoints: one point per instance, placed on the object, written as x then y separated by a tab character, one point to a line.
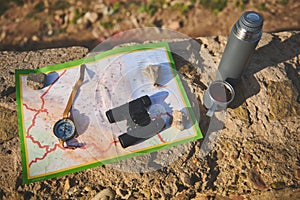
241	44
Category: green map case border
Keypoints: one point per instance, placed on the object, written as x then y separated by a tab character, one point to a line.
52	68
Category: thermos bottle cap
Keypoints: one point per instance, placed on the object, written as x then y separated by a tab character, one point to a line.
251	21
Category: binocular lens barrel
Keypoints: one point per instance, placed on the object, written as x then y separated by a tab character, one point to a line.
141	133
128	110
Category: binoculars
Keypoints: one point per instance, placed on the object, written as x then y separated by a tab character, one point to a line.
141	127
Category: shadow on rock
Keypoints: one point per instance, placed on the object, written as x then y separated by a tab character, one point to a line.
275	52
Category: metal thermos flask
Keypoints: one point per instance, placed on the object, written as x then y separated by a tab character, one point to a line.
241	44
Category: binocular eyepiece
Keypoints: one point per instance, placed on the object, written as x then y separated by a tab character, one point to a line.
135	111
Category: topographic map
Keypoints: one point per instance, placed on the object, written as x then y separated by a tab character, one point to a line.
111	79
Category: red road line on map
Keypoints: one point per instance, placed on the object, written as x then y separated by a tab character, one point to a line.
32	123
32	109
160	138
160	115
43	95
48	149
37	142
42	109
115	142
104	150
43	104
46	153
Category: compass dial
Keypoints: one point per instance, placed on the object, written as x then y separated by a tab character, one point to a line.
64	129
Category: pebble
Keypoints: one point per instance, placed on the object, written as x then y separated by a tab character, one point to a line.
297	174
202	197
50	32
234	154
87	188
2	35
96	32
175	25
91	17
236	197
72	14
185	178
35	38
179	120
183	195
79	20
220	155
107	11
36	81
147	193
248	157
67	185
123	193
278	185
106	194
256	180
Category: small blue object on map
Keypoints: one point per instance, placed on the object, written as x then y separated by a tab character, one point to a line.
159	97
64	129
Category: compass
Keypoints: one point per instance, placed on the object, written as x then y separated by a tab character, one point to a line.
64	129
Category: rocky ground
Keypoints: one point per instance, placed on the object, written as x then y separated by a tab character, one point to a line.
251	152
39	24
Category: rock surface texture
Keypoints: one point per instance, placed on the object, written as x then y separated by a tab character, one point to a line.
253	152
